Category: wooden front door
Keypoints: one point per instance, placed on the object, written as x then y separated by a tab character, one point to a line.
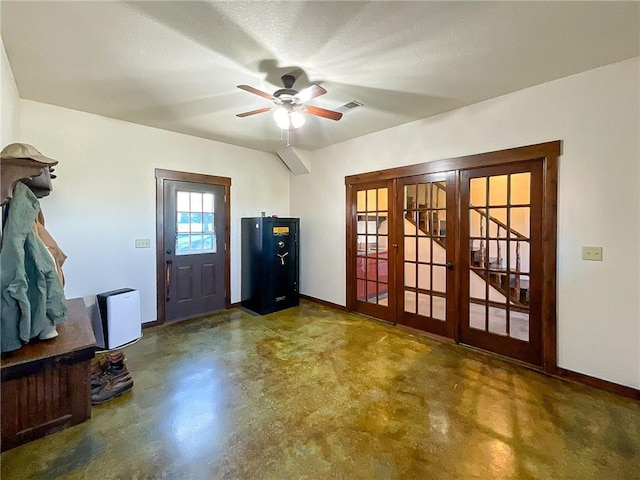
426	256
193	237
501	259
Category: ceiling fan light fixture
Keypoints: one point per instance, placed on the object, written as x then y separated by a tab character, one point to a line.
281	116
297	119
286	119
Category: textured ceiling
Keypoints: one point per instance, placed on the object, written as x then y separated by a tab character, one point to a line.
175	65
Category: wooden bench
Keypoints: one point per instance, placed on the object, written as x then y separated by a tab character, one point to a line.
46	385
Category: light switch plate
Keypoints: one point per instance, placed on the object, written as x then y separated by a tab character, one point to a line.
592	253
143	243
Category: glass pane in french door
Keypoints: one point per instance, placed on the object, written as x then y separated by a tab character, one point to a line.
424	235
499	248
372	229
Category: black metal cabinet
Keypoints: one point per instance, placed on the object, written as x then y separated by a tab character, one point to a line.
270	268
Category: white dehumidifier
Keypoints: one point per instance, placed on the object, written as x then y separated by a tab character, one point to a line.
120	317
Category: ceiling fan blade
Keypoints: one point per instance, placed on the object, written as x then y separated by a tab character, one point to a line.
253	112
322	112
255	91
312	91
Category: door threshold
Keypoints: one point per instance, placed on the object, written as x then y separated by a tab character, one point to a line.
424	333
192	317
400	326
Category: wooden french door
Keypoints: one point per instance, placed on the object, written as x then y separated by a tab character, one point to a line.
501	259
372	249
464	248
495	299
426	227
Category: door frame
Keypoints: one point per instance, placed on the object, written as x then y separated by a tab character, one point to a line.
548	152
161	175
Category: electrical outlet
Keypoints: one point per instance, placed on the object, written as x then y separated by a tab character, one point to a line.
143	243
592	253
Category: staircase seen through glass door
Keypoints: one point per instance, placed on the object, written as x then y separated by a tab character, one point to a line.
501	256
427	245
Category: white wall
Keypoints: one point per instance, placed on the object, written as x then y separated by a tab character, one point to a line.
104	196
9	102
596	115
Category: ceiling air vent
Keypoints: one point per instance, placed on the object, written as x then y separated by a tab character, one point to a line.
349	106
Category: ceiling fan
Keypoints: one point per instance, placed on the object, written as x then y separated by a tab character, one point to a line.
290	104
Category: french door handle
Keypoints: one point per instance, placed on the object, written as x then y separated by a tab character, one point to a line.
168	277
449	265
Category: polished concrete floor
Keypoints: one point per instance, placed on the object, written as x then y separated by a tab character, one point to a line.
314	393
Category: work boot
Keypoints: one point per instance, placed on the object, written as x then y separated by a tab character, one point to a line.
102	361
106	367
115	386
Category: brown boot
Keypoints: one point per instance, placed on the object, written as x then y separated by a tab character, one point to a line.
116	386
106	367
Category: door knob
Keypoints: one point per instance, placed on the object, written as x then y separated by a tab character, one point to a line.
449	265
